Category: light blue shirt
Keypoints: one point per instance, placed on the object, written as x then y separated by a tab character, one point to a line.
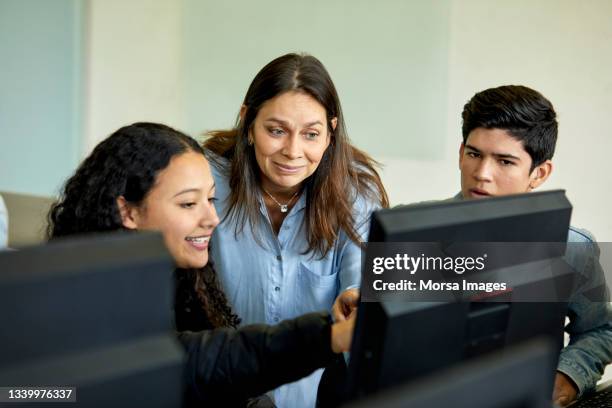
3	225
273	280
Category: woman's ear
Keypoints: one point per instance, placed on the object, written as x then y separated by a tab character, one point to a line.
242	113
334	123
128	213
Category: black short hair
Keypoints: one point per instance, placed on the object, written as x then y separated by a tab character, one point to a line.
523	112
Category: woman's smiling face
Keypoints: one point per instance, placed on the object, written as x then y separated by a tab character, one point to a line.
290	135
180	206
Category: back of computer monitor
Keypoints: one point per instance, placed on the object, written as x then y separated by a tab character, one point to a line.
517	377
532	217
393	338
94	313
399	341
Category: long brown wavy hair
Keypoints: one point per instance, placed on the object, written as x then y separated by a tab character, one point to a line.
343	173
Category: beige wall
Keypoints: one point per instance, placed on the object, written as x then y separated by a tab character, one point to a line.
133	65
564	49
561	47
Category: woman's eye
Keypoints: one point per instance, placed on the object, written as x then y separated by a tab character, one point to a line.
473	154
187	205
276	131
311	135
212	199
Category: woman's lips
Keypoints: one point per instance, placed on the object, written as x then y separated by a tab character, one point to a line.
199	243
283	168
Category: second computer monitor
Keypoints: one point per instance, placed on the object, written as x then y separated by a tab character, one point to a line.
399	341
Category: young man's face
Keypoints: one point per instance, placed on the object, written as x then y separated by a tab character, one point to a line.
493	163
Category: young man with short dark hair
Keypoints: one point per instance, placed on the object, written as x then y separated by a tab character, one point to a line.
509	137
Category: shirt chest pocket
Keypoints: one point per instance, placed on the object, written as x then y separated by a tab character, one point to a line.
316	291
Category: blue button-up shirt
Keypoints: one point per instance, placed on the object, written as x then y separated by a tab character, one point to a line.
268	278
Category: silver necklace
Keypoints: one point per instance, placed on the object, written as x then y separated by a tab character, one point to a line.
283	207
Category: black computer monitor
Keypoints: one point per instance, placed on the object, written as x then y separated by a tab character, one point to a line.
399	341
517	377
93	313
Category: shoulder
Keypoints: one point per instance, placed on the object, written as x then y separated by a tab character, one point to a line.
220	168
218	164
3	211
580	235
362	207
363	204
582	249
364	191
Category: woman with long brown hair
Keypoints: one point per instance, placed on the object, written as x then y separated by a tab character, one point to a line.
294	199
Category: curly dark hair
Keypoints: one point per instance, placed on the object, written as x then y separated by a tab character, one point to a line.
126	164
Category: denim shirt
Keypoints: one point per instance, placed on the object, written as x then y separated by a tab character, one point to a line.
585	358
590	328
3	225
268	278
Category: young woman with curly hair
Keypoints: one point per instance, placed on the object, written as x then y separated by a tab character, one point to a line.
151	177
295	198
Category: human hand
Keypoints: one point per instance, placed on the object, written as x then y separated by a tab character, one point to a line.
342	333
565	390
345	304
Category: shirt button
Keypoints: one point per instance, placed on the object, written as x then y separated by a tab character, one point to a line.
277	288
279	258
